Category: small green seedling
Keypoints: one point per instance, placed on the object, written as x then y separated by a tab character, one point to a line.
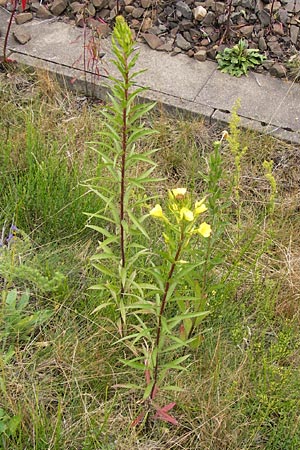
236	61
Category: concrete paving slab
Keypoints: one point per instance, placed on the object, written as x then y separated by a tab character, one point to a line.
63	43
263	98
178	76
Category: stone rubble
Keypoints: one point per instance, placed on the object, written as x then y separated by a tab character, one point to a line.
198	28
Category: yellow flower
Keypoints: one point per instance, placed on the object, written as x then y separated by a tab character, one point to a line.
157	212
225	134
179	193
186	214
200	207
204	229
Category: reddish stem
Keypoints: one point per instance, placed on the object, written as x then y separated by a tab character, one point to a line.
15	5
123	163
161	312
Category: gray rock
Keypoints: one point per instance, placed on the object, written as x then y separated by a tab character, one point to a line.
187	36
278	70
278	29
185	25
167	47
156	30
222	19
137	13
100	4
146	3
283	16
113	13
152	40
199	13
247	4
183	10
294	33
58	7
23	18
209	19
182	43
264	18
247	31
211	52
262	45
275	48
267	64
129	9
220	7
22	37
201	55
44	13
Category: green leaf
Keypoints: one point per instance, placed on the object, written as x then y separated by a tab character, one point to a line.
104	269
11	298
148	389
100	307
13	425
144	307
177	319
100	230
134	363
138	225
176	363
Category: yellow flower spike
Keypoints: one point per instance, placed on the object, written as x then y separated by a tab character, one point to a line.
186	214
179	193
200	207
157	212
204	229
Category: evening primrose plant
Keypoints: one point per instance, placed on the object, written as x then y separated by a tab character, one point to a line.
167	321
152	292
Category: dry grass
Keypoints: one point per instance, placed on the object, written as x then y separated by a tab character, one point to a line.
241	387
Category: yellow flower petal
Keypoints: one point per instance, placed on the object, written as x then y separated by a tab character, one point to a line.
157	212
225	134
200	207
204	229
186	214
179	193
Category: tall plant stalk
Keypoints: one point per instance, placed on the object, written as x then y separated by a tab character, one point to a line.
120	189
161	313
15	4
12	15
